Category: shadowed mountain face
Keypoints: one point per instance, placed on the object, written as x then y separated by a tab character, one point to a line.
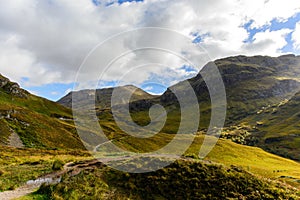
34	121
250	82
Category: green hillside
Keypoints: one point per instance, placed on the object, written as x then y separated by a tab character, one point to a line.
277	128
38	122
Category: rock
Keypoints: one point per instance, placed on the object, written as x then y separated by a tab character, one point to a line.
12	88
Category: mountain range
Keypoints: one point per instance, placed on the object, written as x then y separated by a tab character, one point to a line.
262	92
254	85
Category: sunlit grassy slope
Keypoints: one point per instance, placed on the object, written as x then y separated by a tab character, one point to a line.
255	160
225	152
224	173
40	123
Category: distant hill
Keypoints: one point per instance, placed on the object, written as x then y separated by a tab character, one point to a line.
34	121
101	98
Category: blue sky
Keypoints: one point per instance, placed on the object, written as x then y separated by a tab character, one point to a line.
45	55
275	25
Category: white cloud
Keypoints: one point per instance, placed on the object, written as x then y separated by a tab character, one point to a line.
296	37
47	41
54	93
264	11
268	42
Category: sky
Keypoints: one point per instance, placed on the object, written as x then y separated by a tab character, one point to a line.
43	44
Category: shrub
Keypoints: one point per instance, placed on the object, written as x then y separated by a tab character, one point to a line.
57	165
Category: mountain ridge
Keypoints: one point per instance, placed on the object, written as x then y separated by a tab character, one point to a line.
96	96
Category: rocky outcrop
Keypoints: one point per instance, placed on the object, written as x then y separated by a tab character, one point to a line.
12	88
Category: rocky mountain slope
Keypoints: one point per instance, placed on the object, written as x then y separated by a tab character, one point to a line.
277	128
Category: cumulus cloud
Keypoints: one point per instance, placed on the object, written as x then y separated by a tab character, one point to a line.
268	42
46	41
296	37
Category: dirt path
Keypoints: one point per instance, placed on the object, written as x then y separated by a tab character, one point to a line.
19	192
14	140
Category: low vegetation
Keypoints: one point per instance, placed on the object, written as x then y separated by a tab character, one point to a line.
20	165
181	180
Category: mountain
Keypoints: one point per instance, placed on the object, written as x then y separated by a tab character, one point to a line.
251	83
102	97
31	121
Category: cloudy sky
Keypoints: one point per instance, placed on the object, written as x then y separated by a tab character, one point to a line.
43	43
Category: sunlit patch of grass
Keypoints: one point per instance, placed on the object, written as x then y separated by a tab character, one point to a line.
20	165
252	159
